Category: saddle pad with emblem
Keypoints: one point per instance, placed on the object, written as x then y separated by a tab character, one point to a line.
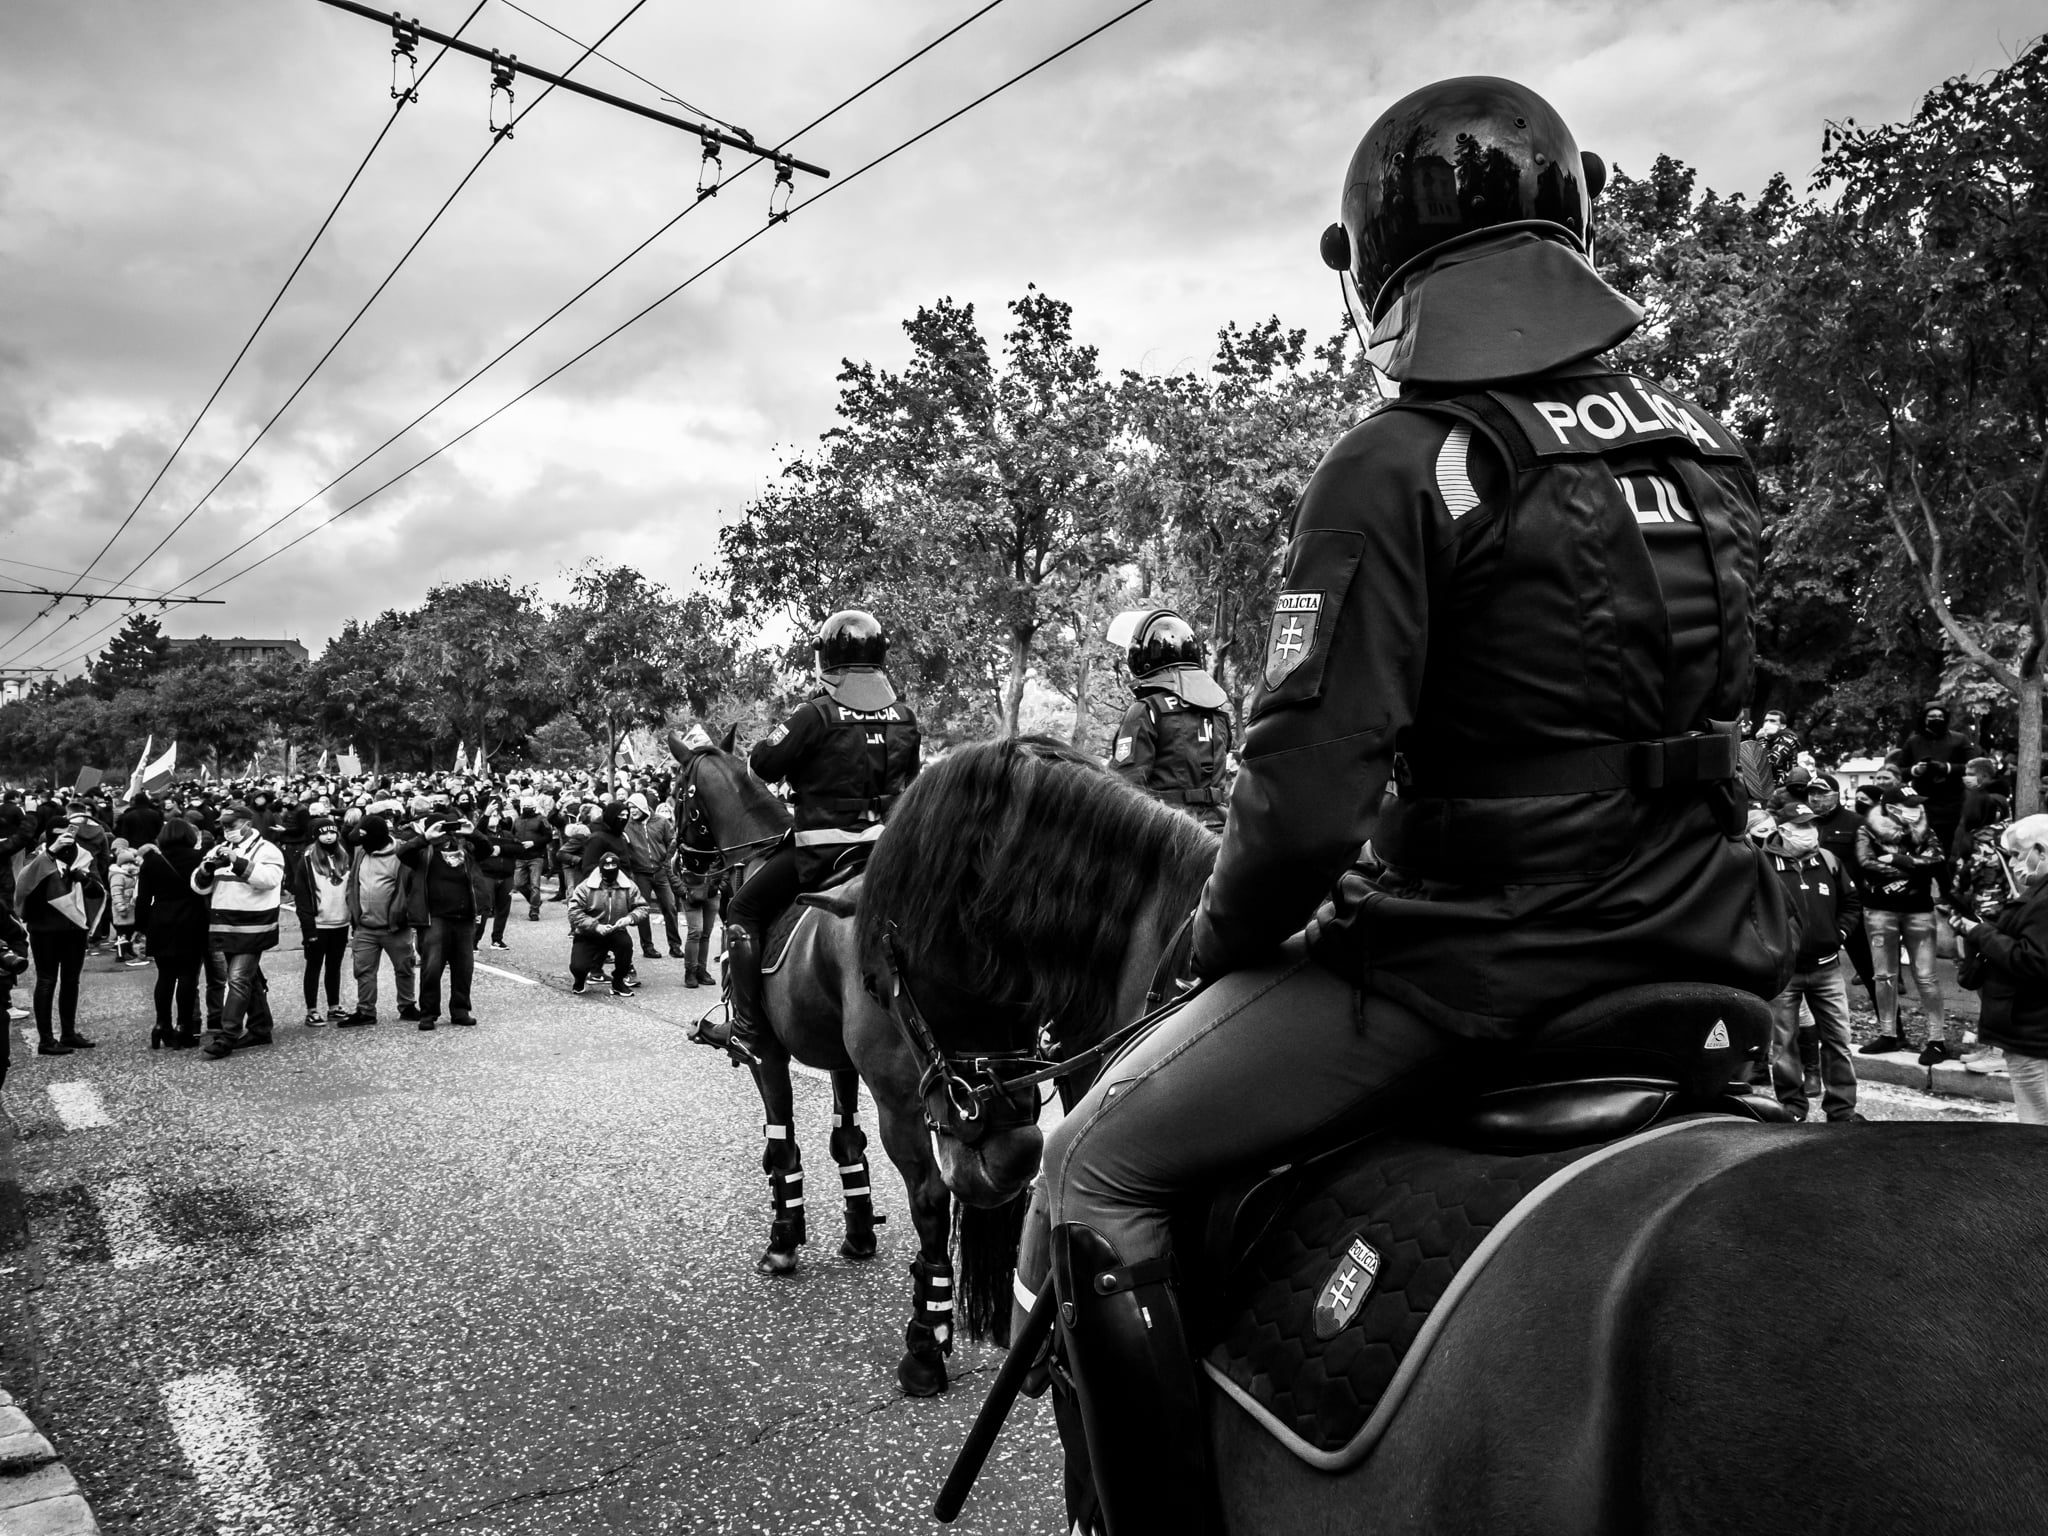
1325	1305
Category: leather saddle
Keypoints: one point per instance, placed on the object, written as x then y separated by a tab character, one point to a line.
1306	1286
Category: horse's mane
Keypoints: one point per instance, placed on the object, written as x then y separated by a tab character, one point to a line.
1017	870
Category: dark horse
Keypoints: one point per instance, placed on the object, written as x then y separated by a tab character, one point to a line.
1632	1361
823	1017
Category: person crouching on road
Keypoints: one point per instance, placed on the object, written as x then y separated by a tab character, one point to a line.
444	909
242	878
602	912
320	892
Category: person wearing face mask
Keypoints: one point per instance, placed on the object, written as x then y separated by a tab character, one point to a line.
1898	859
497	859
320	894
379	909
602	911
444	910
646	865
2007	960
242	878
1838	825
60	896
1984	805
1932	761
1829	911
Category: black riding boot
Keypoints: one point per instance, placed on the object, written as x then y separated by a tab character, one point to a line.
1148	1439
749	1027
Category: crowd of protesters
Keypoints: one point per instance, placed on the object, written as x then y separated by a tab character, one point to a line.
420	872
1921	857
414	872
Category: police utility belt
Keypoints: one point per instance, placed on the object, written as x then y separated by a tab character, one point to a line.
1189	796
1696	760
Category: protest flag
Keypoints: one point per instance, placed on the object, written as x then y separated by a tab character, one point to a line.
157	776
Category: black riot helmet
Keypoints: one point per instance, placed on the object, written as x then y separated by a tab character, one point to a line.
1451	163
851	638
1165	639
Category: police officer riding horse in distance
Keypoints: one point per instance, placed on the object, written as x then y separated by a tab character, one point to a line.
793	989
1174	740
1434	1204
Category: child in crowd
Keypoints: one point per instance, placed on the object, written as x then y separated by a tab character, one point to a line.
121	891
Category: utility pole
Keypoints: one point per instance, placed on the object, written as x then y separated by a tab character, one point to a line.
508	65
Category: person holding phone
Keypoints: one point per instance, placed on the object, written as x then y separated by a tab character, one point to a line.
2006	960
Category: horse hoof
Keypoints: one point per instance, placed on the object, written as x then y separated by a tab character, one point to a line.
777	1262
857	1246
922	1375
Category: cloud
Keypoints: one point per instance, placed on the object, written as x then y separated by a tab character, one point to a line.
164	166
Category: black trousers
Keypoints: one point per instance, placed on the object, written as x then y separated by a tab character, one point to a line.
59	958
499	889
767	893
324	950
447	944
587	952
177	977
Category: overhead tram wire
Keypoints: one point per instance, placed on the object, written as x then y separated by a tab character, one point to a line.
666	93
398	106
578	296
716	261
497	138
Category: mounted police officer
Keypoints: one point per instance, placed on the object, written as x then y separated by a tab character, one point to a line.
847	753
1522	595
1174	740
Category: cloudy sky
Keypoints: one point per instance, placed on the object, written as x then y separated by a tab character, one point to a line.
164	162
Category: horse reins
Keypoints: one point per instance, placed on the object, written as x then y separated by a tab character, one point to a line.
975	1081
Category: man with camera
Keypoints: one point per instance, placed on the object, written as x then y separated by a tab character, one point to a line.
444	911
242	877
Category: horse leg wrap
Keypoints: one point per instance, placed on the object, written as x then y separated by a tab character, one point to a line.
931	1323
784	1166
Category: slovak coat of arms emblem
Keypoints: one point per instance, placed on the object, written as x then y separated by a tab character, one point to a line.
1293	634
1346	1289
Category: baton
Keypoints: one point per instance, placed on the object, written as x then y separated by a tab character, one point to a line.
995	1409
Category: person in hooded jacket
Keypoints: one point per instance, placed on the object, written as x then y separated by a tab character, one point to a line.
497	847
602	912
1174	740
172	918
1819	889
644	867
607	835
60	896
1899	858
2010	968
319	885
444	909
534	834
1530	579
379	899
1932	761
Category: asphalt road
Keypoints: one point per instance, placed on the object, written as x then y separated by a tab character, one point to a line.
476	1281
491	1280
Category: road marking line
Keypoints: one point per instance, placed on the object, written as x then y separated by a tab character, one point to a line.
129	1221
526	981
78	1106
218	1428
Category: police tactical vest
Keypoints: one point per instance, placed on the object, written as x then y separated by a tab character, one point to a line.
1551	722
1187	753
846	784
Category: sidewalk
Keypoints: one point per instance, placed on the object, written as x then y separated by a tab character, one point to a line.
38	1495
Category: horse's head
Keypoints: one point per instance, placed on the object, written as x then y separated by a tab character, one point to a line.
999	909
722	809
980	1068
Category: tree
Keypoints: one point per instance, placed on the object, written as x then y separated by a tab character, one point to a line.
474	648
622	651
1217	464
363	696
965	498
136	654
1903	342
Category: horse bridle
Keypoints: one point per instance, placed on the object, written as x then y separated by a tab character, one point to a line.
695	812
982	1087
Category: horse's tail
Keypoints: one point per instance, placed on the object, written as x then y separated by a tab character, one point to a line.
988	1265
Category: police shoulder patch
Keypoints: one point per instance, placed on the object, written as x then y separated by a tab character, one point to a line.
779	735
1292	637
1123	748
